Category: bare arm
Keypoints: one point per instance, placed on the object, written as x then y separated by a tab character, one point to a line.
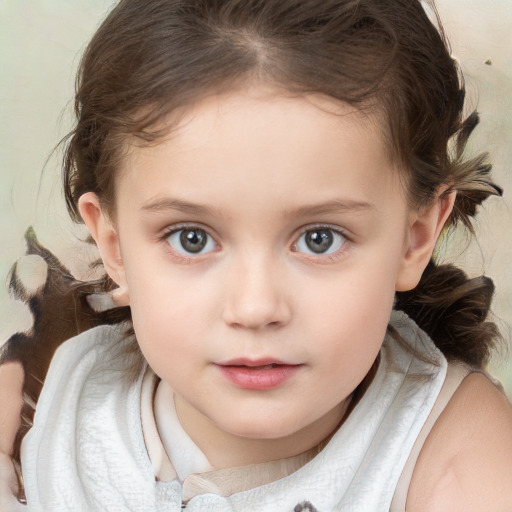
11	403
61	308
466	462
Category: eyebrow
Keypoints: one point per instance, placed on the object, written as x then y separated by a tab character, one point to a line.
167	203
333	206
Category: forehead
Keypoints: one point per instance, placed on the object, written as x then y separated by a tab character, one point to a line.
260	141
257	108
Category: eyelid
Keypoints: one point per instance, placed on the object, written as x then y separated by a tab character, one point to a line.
175	228
337	229
323	257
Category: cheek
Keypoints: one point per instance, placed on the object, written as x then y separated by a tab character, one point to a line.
351	321
169	311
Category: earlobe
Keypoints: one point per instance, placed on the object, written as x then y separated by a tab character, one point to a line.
105	235
424	230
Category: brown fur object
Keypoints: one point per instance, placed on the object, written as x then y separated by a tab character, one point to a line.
60	311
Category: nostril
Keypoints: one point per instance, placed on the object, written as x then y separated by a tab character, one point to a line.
255	326
257	301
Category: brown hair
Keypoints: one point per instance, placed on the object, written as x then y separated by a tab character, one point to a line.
150	57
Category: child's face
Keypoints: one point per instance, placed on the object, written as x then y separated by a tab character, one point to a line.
265	231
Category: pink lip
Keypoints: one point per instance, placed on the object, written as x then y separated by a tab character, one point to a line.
257	374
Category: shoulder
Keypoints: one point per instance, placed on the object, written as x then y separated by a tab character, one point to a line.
92	359
94	343
466	461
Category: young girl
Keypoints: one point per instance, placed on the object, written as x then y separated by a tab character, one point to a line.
266	181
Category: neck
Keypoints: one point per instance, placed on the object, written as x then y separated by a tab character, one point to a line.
224	450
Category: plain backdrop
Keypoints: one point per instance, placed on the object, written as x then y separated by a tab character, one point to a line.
40	46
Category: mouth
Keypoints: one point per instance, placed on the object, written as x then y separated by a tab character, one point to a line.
260	374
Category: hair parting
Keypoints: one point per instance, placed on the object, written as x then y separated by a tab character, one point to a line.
365	53
151	59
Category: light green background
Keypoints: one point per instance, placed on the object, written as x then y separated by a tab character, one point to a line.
40	45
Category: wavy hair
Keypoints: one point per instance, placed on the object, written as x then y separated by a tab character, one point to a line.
151	58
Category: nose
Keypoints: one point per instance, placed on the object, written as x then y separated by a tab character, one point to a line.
257	297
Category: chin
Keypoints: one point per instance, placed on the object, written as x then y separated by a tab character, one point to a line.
262	430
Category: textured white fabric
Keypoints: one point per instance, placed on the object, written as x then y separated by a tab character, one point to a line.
86	450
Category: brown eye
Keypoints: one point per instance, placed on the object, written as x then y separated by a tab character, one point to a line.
320	241
191	241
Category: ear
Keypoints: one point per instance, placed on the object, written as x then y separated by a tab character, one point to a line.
424	229
105	235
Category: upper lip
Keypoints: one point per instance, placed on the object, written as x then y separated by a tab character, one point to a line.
244	361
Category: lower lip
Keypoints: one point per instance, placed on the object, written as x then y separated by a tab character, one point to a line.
247	377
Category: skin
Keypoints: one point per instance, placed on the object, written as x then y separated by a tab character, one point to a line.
465	464
256	169
11	402
254	158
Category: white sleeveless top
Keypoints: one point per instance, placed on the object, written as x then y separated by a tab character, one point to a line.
87	450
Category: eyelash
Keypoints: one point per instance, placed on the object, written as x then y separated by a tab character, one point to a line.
323	257
172	230
328	256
